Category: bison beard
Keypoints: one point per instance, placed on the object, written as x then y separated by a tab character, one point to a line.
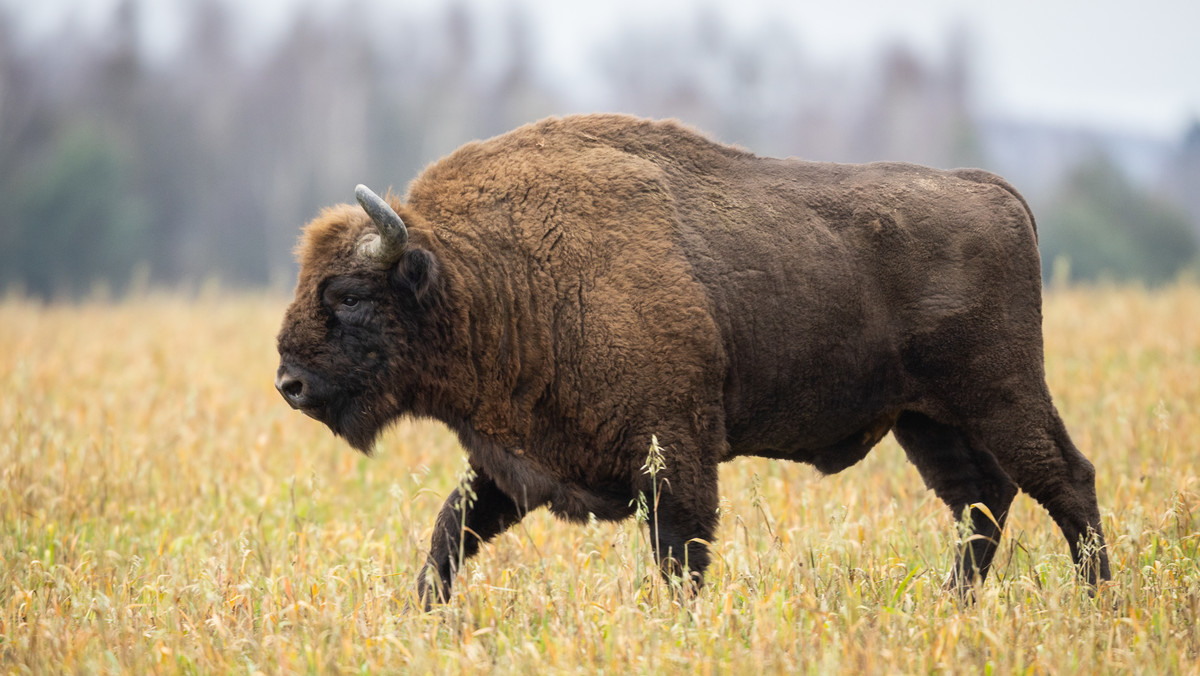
559	294
357	427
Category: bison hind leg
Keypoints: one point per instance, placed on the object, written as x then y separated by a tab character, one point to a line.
962	475
1033	446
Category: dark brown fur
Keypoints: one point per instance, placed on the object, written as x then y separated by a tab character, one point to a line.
580	284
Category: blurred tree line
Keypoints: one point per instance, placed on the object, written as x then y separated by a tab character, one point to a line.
116	165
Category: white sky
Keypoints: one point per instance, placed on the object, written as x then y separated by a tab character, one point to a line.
1130	66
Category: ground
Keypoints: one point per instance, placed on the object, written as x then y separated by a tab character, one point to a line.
162	510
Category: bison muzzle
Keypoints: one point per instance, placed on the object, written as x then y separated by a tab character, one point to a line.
559	294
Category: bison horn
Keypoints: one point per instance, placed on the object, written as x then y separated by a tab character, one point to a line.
393	236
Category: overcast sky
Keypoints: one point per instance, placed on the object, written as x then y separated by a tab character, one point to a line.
1129	66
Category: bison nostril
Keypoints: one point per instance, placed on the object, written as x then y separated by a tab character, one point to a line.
291	387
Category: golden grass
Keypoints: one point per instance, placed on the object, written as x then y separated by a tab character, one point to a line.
163	511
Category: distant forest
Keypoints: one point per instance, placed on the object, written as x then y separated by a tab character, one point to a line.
120	168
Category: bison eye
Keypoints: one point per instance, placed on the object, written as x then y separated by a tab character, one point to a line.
349	301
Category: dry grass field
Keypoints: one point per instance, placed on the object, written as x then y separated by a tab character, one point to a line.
162	510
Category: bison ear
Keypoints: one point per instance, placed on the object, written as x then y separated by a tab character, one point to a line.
416	271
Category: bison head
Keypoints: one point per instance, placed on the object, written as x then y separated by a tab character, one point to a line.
351	343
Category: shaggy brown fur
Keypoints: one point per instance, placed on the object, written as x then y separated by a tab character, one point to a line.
574	286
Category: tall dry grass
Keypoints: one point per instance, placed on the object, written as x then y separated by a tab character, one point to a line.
163	511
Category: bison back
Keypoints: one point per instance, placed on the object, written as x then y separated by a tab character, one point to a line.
843	292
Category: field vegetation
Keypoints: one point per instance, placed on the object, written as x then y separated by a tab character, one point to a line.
163	511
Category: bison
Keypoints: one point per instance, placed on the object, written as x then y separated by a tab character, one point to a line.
558	294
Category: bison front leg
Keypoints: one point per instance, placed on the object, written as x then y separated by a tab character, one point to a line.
472	514
682	516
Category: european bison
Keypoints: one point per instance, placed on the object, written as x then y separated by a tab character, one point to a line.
558	294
